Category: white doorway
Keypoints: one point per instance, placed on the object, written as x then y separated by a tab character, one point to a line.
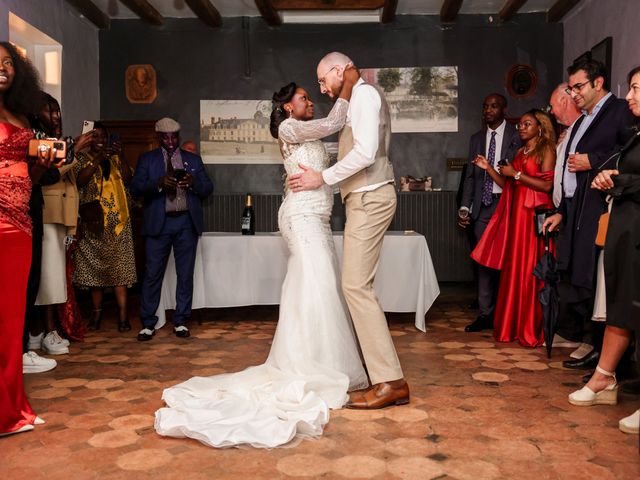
42	50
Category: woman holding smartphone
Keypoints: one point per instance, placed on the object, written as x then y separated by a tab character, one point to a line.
104	257
19	96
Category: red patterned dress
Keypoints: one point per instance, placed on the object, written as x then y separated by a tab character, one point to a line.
15	261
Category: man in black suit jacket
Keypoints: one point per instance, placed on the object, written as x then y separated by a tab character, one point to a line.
479	204
604	128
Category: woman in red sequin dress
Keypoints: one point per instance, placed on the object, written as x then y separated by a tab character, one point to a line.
18	96
509	243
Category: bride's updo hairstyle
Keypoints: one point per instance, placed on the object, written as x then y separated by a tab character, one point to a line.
279	114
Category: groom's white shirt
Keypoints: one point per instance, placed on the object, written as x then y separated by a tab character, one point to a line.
363	117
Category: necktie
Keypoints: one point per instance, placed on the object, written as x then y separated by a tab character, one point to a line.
487	187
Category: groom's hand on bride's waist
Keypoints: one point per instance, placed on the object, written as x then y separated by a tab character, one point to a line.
309	179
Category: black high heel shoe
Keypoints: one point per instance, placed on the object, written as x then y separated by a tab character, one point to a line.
124	325
95	320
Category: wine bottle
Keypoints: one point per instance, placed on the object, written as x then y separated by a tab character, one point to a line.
248	217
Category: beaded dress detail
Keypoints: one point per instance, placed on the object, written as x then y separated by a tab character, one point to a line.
15	184
314	357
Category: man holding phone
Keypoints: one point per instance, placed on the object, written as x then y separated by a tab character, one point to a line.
173	183
498	140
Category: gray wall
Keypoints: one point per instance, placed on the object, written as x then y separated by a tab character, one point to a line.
593	21
79	40
194	62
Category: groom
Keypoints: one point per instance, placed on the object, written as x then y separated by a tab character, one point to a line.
365	176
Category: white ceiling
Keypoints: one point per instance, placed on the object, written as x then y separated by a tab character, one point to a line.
240	8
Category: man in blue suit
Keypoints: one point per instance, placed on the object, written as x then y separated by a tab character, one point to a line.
497	140
173	183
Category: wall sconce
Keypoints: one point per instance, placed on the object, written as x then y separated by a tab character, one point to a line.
52	68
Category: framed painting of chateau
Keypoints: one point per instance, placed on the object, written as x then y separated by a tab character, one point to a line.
237	131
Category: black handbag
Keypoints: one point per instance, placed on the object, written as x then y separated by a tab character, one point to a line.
92	215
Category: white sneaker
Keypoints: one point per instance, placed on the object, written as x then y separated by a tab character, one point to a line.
35	343
34	363
631	424
63	341
582	351
52	344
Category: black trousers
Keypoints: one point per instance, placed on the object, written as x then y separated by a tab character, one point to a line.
33	283
488	278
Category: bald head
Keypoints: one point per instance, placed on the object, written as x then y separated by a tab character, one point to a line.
331	73
563	108
334	59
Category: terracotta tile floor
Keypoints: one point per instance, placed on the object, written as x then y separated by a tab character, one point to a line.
478	411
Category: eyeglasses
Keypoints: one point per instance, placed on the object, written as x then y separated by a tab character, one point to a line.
322	80
577	88
523	125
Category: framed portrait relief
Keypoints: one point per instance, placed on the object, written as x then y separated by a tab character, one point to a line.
140	83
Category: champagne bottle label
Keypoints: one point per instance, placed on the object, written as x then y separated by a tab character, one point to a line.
246	223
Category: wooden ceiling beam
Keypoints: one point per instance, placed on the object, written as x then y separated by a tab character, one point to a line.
92	13
510	8
145	11
559	9
269	12
389	11
206	12
331	4
449	10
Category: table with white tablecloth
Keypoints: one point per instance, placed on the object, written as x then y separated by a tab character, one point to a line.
234	270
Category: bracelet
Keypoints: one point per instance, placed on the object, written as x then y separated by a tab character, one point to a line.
517	176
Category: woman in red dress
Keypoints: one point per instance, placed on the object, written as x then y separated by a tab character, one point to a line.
510	243
19	94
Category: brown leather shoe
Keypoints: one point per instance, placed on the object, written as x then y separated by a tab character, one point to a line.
381	395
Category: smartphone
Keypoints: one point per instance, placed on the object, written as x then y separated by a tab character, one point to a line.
87	126
114	138
179	174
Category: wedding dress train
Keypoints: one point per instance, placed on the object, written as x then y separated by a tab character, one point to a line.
314	359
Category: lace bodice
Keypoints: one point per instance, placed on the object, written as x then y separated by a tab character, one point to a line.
294	135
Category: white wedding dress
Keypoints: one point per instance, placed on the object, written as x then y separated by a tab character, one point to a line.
314	359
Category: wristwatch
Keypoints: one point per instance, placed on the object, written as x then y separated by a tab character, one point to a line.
517	176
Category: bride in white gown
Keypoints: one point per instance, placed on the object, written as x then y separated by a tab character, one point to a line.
314	359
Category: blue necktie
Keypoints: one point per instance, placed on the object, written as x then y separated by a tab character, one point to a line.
487	187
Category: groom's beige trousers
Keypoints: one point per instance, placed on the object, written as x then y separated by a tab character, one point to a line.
369	214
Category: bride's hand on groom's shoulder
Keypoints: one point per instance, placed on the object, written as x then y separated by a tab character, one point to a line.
351	74
309	179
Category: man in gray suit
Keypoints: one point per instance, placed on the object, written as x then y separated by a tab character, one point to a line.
498	140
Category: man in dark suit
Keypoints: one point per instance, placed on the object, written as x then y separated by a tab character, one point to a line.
604	128
480	194
173	183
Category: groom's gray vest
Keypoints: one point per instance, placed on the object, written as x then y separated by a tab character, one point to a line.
381	170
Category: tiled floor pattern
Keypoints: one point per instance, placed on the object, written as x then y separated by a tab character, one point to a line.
478	411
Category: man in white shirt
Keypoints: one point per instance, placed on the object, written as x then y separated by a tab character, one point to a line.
497	140
365	176
567	113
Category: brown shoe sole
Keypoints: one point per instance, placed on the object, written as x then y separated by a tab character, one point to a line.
399	401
